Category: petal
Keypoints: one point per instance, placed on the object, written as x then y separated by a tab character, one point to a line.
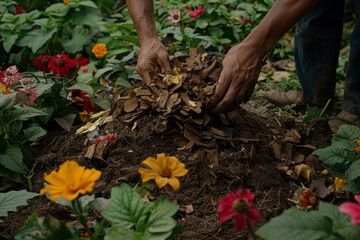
71	171
87	180
357	198
174	183
162	161
147	174
225	210
152	163
179	172
173	163
254	215
239	222
350	208
54	178
161	181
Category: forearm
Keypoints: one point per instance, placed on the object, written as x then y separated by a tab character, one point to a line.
142	14
281	17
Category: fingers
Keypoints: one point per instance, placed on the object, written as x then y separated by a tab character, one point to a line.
164	63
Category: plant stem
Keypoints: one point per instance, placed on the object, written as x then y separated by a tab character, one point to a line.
82	217
251	230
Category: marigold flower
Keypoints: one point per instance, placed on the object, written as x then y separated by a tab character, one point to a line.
66	2
61	64
42	63
174	16
240	207
339	184
164	170
197	13
99	50
353	209
4	89
308	200
70	181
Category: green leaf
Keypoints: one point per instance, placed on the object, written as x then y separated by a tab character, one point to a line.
13	176
43	87
331	155
126	207
353	172
84	87
9	40
79	38
34	133
119	232
43	228
24	113
88	4
66	122
346	136
160	223
353	186
57	10
6	100
9	201
37	38
13	160
102	103
295	224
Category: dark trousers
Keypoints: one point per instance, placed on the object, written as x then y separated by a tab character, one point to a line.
317	44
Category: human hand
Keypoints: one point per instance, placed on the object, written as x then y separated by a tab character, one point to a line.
153	56
241	69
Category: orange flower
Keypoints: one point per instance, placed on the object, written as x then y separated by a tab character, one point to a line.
164	170
339	184
66	2
99	50
4	89
70	181
307	200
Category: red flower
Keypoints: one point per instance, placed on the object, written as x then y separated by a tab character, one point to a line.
83	97
61	64
19	10
187	8
240	207
353	209
246	20
110	138
197	13
42	63
79	60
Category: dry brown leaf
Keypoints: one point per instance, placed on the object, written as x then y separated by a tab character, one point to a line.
130	105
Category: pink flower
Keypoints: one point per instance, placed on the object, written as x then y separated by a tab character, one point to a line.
197	13
174	16
353	209
240	207
10	76
27	96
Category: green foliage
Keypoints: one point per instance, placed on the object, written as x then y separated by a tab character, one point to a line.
9	201
325	223
341	157
133	219
44	228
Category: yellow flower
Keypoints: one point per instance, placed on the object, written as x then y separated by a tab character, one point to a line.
66	2
84	116
339	184
99	50
164	170
4	89
70	181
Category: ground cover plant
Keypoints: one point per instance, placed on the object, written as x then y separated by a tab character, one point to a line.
89	152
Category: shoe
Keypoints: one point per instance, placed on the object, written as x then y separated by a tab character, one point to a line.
343	117
281	98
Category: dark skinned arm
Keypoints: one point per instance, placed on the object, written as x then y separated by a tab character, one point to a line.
242	64
153	55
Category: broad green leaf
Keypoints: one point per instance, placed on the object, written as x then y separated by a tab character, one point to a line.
117	232
102	71
13	176
9	40
24	113
353	172
57	10
84	87
295	224
44	228
331	155
34	133
6	100
13	160
126	207
88	4
43	87
100	204
79	38
160	223
353	186
66	122
37	38
346	136
9	201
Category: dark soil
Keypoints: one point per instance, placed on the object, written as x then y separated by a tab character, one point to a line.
248	162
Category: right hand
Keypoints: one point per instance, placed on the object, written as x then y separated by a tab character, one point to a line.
153	56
